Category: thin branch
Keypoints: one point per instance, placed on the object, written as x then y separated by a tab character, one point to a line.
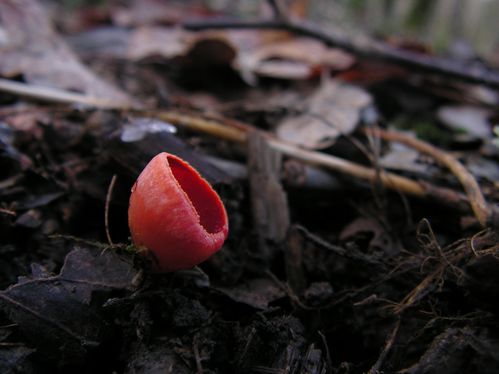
8	211
249	340
56	95
220	130
289	292
389	180
328	353
469	183
109	196
197	356
237	132
364	47
375	369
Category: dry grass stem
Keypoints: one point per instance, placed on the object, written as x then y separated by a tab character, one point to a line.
469	183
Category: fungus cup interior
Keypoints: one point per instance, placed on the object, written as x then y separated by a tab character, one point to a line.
201	195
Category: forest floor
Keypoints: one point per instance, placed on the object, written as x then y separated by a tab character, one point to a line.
360	181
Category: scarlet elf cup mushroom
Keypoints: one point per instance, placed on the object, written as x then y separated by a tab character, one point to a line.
175	215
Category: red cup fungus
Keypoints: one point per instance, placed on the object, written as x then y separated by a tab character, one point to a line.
174	215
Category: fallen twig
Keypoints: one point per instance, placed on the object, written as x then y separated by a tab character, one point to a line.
237	132
8	211
470	185
56	95
375	369
364	47
268	199
109	196
327	351
421	290
197	356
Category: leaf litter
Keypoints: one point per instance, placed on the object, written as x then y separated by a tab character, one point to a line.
352	283
54	312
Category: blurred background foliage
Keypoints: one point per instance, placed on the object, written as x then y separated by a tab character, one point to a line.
445	25
460	28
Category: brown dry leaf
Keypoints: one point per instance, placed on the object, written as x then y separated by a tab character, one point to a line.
471	120
334	109
61	314
402	157
169	42
483	168
104	43
27	121
291	70
246	43
267	53
304	52
30	47
371	229
166	42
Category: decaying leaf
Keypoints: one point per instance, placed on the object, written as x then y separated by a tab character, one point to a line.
483	168
31	48
372	230
257	293
473	121
480	282
54	312
401	157
158	358
141	140
292	70
53	320
93	270
14	358
294	58
166	42
458	350
254	53
357	284
334	109
141	127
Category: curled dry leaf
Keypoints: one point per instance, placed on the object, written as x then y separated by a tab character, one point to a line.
378	238
266	53
295	58
333	110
